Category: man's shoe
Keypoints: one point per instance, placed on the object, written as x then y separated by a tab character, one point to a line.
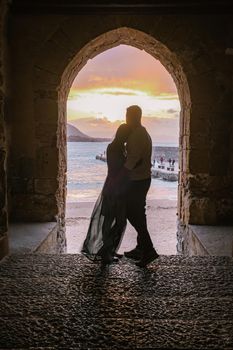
134	254
119	256
108	259
115	259
147	258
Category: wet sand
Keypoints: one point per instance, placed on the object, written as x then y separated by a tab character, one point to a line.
161	218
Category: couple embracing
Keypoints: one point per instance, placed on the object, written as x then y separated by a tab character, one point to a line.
123	196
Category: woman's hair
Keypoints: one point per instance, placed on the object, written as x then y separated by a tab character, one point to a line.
122	133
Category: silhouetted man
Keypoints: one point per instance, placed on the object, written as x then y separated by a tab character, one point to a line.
138	163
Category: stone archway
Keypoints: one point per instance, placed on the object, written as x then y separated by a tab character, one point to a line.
129	37
113	38
55	58
116	37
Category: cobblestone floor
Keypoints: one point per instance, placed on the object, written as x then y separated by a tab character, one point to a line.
67	302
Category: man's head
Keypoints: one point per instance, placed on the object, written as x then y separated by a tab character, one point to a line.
133	116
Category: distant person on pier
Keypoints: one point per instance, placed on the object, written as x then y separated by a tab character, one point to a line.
139	150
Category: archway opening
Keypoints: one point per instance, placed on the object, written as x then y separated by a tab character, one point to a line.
99	96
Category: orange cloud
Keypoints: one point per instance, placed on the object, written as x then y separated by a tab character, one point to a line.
128	67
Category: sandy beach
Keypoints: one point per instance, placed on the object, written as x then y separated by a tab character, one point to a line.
161	218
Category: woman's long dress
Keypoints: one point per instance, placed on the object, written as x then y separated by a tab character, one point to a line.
108	219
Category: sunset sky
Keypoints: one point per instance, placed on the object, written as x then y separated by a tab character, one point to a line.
116	79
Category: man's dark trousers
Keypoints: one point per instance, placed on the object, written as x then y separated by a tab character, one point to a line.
136	212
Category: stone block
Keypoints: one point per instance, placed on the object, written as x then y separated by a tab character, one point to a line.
34	208
46	186
4	250
53	58
44	79
220	155
183	160
185	142
188	243
4	245
47	162
63	40
214	241
2	175
45	94
221	121
2	137
200	121
179	201
54	243
185	117
26	167
72	25
200	140
199	184
198	161
185	207
225	210
46	134
219	164
203	89
46	109
3	221
202	211
21	185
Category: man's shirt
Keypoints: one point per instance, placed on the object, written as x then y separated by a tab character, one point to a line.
139	149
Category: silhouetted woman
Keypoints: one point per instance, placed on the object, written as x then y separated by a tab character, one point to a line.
108	219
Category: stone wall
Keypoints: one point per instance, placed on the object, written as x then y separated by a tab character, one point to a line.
206	181
3	151
47	53
231	142
207	184
33	157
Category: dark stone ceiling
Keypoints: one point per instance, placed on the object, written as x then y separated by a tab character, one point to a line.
122	6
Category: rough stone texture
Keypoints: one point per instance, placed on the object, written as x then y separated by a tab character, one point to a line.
67	302
205	240
27	238
55	243
3	151
188	243
50	51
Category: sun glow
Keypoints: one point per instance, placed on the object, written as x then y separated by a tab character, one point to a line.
114	80
111	103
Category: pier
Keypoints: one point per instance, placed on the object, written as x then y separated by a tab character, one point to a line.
165	171
101	157
161	171
167	175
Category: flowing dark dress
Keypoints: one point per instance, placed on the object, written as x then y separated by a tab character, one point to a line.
108	219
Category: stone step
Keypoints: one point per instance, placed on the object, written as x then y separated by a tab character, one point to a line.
68	302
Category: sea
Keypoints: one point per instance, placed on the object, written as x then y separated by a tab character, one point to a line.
86	174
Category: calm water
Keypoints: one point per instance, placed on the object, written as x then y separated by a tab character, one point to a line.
86	174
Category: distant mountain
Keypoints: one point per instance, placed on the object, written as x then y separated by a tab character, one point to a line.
75	135
162	130
72	131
